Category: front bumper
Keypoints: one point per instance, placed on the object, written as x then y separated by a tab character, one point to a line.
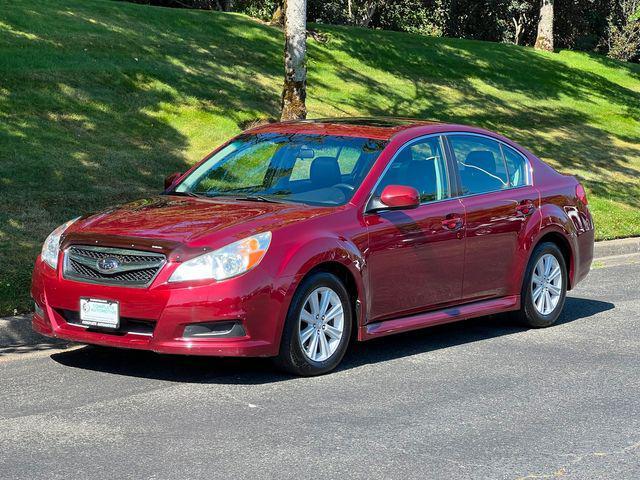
259	304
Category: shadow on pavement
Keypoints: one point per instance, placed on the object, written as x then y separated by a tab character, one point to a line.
250	371
17	336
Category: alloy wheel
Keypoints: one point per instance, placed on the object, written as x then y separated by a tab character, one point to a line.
546	284
321	324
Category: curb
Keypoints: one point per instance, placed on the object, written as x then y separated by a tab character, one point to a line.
17	336
609	248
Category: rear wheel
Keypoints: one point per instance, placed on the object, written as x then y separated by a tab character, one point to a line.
545	287
318	326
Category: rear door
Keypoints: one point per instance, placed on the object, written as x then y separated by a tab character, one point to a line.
415	256
499	200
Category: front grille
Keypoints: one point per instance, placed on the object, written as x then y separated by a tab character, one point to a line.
134	326
112	266
140	277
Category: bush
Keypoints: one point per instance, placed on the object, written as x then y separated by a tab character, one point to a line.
610	26
624	31
262	9
199	4
581	24
414	16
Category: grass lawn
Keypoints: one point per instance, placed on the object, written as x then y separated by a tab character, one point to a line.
99	100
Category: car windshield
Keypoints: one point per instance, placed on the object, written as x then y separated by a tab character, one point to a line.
311	169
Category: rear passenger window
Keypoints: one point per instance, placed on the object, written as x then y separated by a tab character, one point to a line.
516	166
480	163
422	166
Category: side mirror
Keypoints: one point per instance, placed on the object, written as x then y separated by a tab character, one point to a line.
396	197
171	179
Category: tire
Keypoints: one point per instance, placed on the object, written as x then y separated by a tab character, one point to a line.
537	311
298	352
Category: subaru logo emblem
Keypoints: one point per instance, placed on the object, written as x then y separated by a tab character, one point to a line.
108	264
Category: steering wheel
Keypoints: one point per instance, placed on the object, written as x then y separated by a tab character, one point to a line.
345	186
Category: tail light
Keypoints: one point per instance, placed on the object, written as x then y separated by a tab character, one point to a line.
581	194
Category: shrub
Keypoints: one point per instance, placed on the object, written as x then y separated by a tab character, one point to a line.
624	31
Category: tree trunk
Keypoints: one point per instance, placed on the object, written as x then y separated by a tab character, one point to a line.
544	41
367	12
518	23
294	92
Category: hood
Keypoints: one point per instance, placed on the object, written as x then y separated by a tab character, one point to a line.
167	221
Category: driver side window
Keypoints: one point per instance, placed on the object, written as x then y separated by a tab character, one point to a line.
422	166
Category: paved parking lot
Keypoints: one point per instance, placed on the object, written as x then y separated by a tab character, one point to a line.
478	399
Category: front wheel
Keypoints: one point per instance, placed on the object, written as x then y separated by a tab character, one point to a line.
318	326
544	288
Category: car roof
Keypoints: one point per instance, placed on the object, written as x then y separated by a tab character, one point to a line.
380	128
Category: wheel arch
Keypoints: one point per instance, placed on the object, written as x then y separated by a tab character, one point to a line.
560	238
326	254
348	279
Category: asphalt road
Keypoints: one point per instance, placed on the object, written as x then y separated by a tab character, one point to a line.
478	399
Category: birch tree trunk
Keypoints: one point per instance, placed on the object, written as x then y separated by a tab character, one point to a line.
518	23
544	41
295	69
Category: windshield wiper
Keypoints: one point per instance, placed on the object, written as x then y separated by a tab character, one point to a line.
256	198
185	194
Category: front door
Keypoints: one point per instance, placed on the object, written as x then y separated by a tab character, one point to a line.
415	257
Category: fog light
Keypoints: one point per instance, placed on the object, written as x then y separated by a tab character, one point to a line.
214	329
38	309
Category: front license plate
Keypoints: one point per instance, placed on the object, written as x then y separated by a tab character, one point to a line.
99	313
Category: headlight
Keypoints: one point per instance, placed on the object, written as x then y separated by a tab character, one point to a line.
51	246
226	262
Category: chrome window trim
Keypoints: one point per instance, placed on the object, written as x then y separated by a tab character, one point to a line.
445	135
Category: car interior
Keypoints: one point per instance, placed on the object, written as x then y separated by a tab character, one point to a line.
419	167
479	173
328	176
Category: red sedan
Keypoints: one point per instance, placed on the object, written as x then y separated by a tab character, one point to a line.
293	238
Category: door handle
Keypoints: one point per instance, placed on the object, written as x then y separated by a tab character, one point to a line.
525	209
452	222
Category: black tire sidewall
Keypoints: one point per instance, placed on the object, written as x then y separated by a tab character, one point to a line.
291	356
531	316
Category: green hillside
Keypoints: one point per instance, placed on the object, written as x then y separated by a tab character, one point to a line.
100	99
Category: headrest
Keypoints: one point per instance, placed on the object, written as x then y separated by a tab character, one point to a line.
483	159
421	174
325	172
